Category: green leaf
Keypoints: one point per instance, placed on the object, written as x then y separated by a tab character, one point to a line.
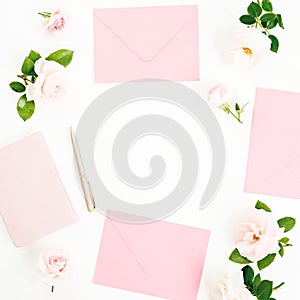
248	275
17	87
236	257
264	290
25	108
272	24
248	20
254	10
237	107
281	250
269	17
279	18
267	5
274	44
256	283
34	56
284	240
261	205
62	56
266	261
287	223
28	67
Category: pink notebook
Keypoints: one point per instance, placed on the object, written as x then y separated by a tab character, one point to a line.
33	201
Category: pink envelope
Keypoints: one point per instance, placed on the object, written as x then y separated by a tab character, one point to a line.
274	153
33	200
146	42
161	259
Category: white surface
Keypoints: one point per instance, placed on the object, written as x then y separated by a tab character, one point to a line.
21	32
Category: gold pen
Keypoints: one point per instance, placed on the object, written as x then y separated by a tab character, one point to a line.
85	184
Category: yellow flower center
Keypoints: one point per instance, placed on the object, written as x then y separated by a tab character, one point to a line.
247	51
256	238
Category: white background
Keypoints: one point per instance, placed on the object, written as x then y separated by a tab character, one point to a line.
21	31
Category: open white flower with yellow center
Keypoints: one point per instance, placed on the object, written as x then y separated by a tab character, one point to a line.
247	47
231	287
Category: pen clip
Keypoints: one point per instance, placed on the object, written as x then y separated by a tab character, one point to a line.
85	184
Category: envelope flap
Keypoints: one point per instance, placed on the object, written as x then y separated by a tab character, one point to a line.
146	31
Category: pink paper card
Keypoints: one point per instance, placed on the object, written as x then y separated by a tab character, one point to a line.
274	151
161	259
146	42
33	200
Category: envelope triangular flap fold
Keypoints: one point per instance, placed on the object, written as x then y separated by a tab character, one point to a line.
160	258
141	30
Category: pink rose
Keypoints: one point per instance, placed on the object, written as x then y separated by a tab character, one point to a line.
50	83
54	266
56	22
259	236
217	95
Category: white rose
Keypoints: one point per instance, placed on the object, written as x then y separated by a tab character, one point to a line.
231	287
248	47
50	84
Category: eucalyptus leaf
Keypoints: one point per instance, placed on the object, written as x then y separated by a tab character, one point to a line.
62	56
266	261
287	223
17	87
247	20
254	10
236	257
25	108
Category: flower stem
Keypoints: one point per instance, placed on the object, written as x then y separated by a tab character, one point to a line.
235	116
44	14
260	25
52	288
26	80
278	286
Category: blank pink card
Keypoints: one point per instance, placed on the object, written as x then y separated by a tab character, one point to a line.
161	259
146	42
274	152
33	201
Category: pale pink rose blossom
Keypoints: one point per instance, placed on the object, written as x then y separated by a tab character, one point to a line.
248	47
231	287
54	266
56	22
50	84
218	94
259	236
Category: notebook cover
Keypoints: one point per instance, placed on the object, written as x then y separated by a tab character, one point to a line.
33	200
